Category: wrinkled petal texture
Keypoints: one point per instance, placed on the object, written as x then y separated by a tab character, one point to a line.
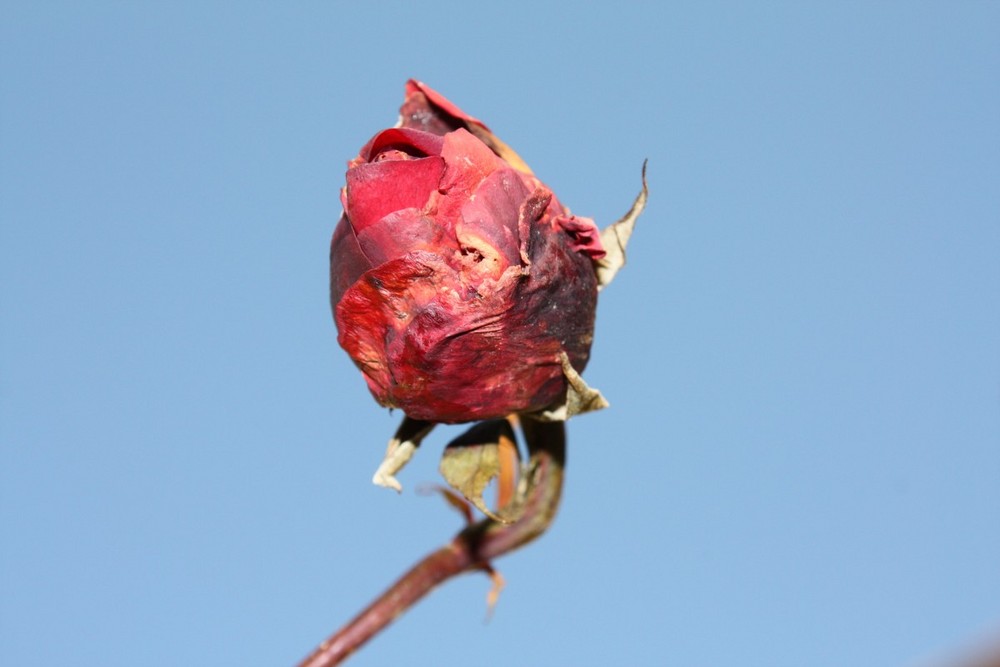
457	279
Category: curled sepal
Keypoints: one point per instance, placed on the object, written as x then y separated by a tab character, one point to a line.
473	459
580	397
615	237
401	448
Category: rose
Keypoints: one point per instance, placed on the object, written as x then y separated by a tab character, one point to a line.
461	287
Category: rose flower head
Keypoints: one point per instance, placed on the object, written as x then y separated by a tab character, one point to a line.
459	282
461	287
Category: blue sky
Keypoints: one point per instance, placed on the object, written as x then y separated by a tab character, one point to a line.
801	464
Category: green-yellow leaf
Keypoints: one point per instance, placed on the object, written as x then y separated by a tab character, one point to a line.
472	460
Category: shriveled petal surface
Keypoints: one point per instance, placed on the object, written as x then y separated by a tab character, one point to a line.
428	110
439	352
489	220
584	235
460	284
399	233
443	104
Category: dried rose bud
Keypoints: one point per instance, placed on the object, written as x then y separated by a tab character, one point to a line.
461	287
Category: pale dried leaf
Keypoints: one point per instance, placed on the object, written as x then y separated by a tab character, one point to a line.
472	460
615	237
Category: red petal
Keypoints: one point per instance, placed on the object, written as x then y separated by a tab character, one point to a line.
440	354
398	233
490	218
414	142
440	101
584	236
375	312
469	161
377	189
347	261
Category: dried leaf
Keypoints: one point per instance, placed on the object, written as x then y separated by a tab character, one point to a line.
473	459
615	237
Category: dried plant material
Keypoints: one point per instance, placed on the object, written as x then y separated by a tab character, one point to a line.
472	460
580	397
615	237
456	274
401	449
465	291
510	462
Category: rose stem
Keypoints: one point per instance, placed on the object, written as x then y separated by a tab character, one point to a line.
471	549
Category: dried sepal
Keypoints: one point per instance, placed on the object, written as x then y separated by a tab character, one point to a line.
615	237
473	459
400	450
580	397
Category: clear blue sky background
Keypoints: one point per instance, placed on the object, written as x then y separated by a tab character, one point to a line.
801	465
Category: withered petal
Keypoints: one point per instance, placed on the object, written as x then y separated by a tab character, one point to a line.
347	261
414	142
399	233
584	236
428	109
489	221
462	288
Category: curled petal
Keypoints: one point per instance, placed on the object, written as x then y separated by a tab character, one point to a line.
428	110
412	142
584	235
443	104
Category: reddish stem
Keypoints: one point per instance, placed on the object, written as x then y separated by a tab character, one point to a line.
471	549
